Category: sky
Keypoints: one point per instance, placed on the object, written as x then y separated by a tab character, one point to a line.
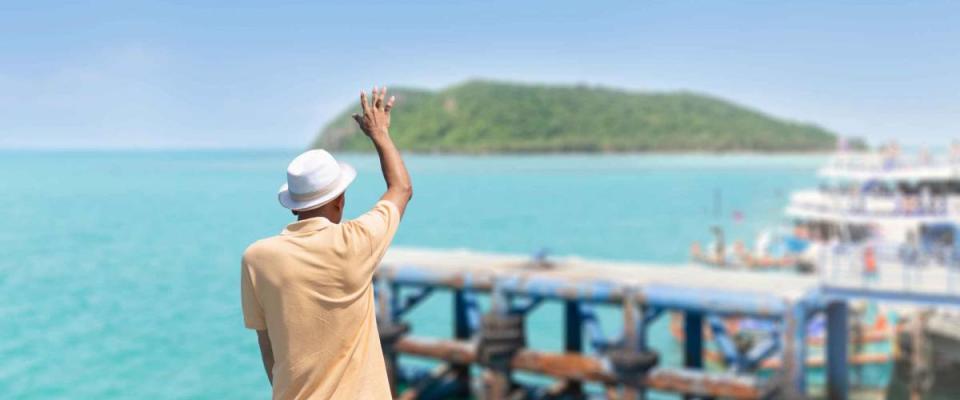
270	74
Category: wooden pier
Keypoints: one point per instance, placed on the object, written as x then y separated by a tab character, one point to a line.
624	365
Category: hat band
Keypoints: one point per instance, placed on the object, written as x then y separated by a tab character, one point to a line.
314	195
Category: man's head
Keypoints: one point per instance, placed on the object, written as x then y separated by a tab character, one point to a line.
332	210
315	186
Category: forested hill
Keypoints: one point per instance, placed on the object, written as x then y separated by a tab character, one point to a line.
482	116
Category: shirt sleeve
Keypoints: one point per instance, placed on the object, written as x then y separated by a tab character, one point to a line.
252	309
370	236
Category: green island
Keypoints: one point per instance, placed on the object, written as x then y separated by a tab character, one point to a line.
497	117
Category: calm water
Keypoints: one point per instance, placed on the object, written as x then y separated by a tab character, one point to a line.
119	271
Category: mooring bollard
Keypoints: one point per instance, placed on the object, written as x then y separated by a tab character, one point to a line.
631	360
501	337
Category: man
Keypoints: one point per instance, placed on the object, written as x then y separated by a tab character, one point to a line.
308	292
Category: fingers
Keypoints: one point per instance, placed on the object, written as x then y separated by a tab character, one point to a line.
379	94
363	102
377	99
389	105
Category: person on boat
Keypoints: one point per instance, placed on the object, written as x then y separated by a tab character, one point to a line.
909	253
925	201
719	249
741	255
797	243
308	291
761	247
869	263
709	256
696	252
891	153
810	258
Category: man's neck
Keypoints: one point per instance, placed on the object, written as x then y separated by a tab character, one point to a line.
320	212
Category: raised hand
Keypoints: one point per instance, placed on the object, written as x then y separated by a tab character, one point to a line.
375	121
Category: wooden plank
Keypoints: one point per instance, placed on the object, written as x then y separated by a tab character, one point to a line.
575	366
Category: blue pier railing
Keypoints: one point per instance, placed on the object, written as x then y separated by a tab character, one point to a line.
516	293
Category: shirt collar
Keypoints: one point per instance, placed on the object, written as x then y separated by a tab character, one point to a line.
306	226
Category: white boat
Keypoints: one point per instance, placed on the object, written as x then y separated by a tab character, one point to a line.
883	197
878	207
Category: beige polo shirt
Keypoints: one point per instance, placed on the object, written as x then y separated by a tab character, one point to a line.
310	288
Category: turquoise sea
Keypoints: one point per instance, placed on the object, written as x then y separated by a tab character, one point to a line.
119	271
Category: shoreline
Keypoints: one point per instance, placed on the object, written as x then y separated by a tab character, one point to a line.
55	150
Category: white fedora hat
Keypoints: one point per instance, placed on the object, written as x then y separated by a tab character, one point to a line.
313	179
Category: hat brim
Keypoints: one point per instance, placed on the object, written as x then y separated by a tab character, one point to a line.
347	175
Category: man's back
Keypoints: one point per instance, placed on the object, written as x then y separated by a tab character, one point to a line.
310	288
309	291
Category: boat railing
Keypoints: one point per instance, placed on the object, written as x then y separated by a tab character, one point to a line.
905	268
885	162
874	204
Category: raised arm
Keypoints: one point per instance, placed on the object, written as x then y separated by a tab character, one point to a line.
375	123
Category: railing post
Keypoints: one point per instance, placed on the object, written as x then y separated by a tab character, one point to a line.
573	338
387	303
692	340
837	342
497	384
630	338
795	350
461	331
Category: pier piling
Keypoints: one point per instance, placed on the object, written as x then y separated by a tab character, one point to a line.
837	339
